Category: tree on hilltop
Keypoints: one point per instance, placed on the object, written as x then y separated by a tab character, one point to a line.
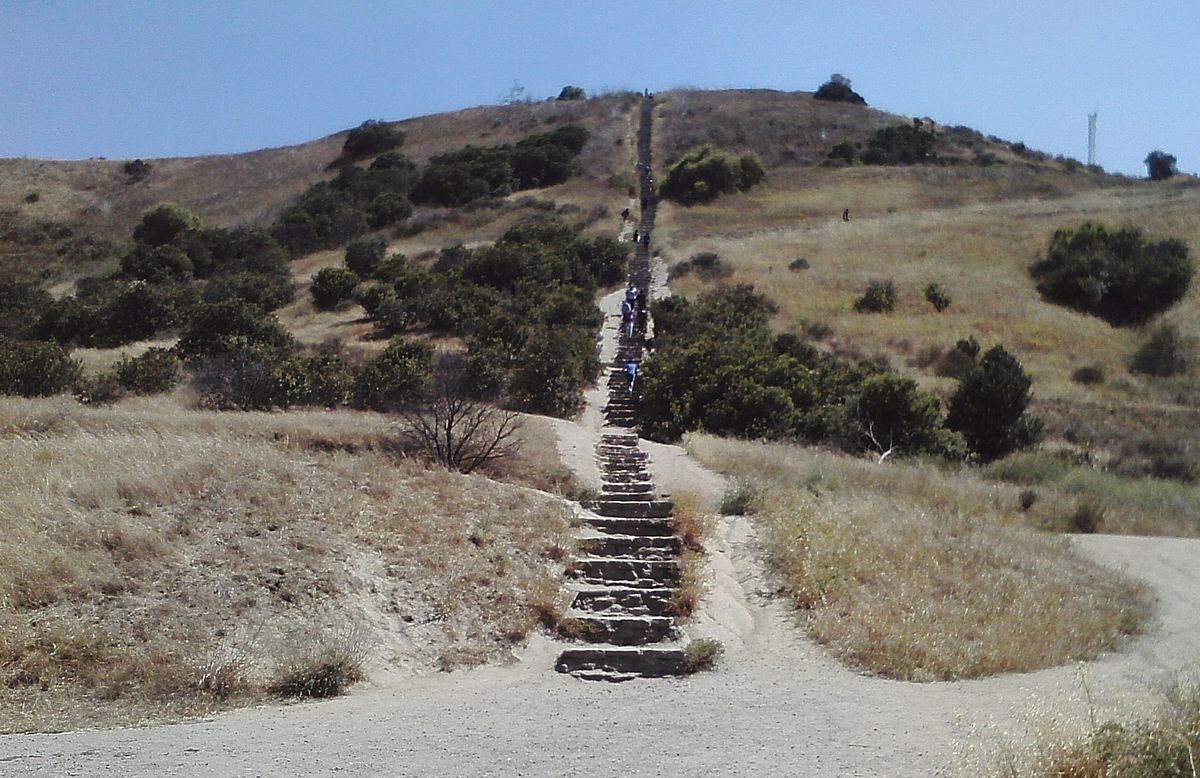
837	90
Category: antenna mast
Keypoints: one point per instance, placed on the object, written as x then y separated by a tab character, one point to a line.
1092	138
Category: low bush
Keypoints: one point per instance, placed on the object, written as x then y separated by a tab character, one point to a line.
102	389
902	144
220	328
703	654
34	368
1088	375
837	90
392	378
332	285
937	297
798	264
572	93
1114	274
364	255
370	138
879	297
157	370
1164	353
739	499
704	173
135	170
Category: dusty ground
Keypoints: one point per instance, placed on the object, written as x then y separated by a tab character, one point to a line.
777	705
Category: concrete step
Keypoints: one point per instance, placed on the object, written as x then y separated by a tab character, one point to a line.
617	630
624	467
615	571
624	599
642	509
621	664
631	546
643	487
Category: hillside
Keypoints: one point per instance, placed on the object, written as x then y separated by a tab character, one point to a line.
95	197
173	555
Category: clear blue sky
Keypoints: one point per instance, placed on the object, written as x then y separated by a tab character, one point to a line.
177	78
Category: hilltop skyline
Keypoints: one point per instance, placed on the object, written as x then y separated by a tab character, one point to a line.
139	79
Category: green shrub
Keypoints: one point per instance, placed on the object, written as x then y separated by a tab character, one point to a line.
157	264
387	209
988	407
34	368
363	255
937	297
322	217
102	389
879	297
165	223
22	303
797	265
392	378
266	291
572	93
1114	274
844	152
902	144
371	137
157	370
229	326
891	414
557	363
1164	353
704	173
331	285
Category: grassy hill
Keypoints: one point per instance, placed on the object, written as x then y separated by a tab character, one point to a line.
281	518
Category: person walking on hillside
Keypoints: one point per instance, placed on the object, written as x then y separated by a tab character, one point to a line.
631	371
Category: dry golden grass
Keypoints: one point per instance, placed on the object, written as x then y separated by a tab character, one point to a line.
916	574
148	550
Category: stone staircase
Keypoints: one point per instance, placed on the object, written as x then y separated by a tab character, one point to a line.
628	569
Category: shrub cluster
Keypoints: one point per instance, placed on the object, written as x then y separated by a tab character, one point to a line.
902	144
707	265
476	172
370	138
718	367
879	297
331	213
159	284
1114	274
1164	353
35	368
704	173
524	306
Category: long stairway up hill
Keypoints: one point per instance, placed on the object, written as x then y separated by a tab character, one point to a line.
628	572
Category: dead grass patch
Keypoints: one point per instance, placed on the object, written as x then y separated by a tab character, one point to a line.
157	561
916	575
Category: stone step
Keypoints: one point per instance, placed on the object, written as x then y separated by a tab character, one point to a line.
623	454
624	599
631	546
625	467
615	571
621	664
642	487
620	525
617	630
642	509
626	477
629	497
619	440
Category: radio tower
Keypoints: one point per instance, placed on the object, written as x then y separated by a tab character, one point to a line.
1092	138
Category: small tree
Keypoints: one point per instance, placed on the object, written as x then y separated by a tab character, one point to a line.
371	137
393	378
880	297
34	368
989	407
937	297
1160	165
572	93
164	224
363	255
454	429
1165	353
837	90
331	285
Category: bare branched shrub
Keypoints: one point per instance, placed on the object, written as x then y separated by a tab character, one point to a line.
455	429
